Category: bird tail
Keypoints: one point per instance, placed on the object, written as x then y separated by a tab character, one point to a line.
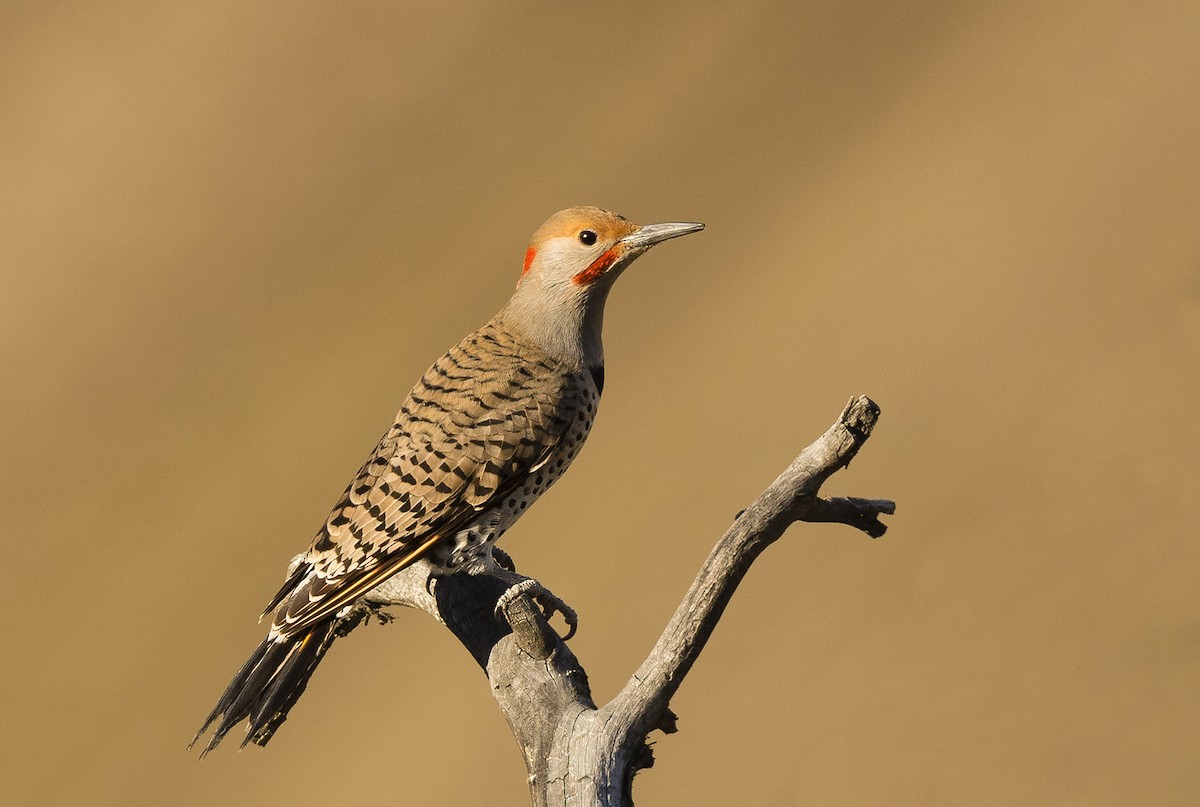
268	685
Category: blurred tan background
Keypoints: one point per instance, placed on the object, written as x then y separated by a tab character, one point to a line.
235	234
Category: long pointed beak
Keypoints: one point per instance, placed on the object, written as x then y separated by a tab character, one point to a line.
652	234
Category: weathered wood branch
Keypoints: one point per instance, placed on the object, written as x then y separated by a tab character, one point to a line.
580	754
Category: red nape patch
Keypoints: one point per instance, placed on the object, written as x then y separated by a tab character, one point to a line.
530	254
597	268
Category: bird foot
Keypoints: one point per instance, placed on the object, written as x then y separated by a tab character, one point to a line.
503	559
544	598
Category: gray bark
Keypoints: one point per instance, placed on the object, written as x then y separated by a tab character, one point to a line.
586	756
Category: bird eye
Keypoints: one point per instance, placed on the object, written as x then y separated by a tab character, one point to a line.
587	237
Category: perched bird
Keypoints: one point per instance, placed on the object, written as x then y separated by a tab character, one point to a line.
488	428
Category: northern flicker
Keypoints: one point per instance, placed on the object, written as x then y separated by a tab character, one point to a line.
488	428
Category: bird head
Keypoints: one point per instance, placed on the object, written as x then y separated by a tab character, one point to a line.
572	261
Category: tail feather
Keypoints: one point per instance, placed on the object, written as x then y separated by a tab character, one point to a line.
230	694
268	686
289	683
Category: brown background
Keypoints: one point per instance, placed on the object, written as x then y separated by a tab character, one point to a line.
234	235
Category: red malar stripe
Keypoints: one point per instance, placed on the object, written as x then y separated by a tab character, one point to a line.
598	267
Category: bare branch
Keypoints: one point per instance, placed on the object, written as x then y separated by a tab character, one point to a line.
578	754
643	702
861	513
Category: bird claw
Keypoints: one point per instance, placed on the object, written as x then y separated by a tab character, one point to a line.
546	600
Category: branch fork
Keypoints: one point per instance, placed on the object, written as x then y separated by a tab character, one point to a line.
580	754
